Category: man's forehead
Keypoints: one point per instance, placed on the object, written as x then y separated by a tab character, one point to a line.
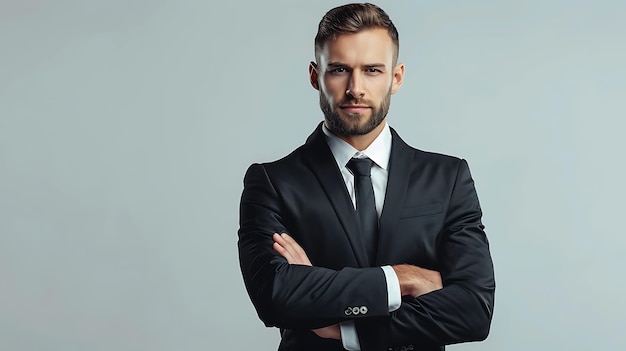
372	45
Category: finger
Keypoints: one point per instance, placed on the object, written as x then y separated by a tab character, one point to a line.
286	242
283	252
292	245
290	249
296	250
279	239
289	244
280	245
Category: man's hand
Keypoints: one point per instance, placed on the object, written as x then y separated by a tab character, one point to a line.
290	249
294	253
330	332
416	281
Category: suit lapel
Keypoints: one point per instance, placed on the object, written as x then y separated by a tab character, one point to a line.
322	163
400	164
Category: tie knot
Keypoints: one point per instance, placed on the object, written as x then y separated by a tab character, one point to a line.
360	166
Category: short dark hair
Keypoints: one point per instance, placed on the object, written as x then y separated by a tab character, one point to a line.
351	19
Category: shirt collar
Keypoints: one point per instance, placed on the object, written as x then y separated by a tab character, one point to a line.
378	151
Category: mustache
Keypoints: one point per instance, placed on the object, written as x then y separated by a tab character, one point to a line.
355	101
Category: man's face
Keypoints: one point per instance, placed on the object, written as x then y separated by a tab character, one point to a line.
355	77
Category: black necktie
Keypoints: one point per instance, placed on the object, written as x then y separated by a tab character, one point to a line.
365	203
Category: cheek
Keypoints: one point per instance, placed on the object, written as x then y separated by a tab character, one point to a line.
381	86
333	89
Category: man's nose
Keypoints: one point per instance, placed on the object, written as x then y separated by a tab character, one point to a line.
355	86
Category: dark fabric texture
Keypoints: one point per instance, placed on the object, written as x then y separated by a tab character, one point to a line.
431	218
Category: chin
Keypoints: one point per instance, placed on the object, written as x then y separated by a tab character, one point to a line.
355	118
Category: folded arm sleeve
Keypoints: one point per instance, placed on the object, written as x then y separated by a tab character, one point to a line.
295	296
462	310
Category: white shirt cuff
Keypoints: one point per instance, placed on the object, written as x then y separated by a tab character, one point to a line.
349	337
394	298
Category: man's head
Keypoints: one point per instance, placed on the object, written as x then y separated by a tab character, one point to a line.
356	49
352	19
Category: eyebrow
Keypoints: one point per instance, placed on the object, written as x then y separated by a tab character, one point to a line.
371	65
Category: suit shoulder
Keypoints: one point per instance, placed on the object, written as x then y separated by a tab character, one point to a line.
436	157
295	163
289	160
446	164
294	156
426	156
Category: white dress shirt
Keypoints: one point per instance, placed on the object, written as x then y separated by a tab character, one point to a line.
379	151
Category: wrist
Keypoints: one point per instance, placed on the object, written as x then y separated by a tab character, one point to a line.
401	275
407	279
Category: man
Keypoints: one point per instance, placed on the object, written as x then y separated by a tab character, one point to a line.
356	240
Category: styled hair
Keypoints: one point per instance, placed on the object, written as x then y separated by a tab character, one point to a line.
351	19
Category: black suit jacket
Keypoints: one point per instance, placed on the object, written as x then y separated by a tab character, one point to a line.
431	218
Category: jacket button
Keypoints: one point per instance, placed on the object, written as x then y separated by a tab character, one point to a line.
355	310
363	309
348	311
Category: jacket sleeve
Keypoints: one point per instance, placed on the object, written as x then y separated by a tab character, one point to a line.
462	310
296	296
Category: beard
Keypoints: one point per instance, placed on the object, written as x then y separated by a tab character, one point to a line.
349	124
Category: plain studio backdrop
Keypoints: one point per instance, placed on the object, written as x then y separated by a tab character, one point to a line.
126	128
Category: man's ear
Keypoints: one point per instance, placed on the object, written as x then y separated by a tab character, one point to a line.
398	77
314	75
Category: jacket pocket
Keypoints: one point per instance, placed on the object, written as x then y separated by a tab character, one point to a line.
421	210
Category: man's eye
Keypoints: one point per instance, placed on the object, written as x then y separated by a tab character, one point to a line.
339	70
372	70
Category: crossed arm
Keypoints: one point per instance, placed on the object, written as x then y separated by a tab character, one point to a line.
288	293
414	281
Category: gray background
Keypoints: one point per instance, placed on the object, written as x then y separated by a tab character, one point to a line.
126	128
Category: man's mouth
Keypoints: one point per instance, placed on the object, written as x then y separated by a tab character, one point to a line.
350	108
